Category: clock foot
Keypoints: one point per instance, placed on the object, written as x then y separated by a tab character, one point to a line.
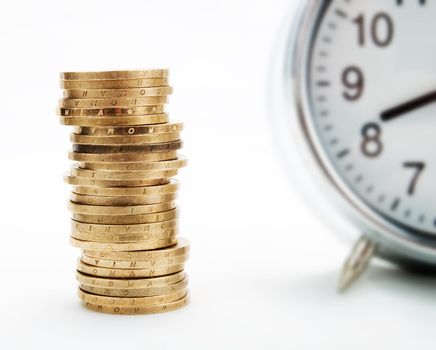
357	262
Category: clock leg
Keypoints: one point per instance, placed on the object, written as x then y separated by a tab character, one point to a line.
356	264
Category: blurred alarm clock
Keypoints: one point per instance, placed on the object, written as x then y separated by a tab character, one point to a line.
357	88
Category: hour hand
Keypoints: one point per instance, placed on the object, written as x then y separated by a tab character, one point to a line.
408	106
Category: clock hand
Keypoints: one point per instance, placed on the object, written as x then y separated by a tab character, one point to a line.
408	106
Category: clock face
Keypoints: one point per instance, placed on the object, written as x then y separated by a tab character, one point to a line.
371	87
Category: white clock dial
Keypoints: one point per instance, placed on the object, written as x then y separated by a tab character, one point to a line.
372	92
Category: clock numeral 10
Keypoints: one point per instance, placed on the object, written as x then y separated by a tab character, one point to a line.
380	37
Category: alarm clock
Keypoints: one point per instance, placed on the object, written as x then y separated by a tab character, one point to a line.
357	88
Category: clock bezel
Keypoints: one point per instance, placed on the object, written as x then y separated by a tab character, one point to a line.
394	241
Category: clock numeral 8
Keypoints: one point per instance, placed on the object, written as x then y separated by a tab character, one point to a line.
371	145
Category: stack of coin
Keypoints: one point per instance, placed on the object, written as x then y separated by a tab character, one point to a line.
124	215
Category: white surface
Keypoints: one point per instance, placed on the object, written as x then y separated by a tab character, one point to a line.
263	267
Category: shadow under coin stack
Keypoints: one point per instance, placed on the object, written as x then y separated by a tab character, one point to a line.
124	216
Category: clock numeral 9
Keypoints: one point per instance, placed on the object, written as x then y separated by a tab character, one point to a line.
371	145
354	83
379	22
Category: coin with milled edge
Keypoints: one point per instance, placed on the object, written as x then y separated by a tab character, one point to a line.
140	310
182	247
119	201
124	283
177	163
113	102
120	210
161	178
124	140
110	111
112	84
130	301
120	175
128	273
122	229
129	293
151	119
124	247
116	75
122	157
144	148
134	265
170	127
116	93
171	187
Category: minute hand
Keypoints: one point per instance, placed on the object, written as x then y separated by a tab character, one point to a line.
408	106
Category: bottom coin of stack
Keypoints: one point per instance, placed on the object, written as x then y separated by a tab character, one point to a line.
136	282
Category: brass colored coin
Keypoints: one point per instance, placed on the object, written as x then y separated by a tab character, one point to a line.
114	102
161	178
120	210
123	201
128	273
181	248
171	127
132	301
116	75
124	247
110	111
120	175
144	148
134	265
112	84
129	293
116	93
160	227
135	283
125	219
122	157
125	237
171	187
114	121
124	140
140	310
178	163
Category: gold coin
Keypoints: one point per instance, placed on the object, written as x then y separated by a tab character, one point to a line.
143	148
120	175
159	227
115	75
134	265
140	310
181	248
113	121
122	157
113	102
171	127
120	210
116	93
135	283
122	201
125	219
110	111
178	163
128	273
132	301
129	293
124	140
171	187
112	84
124	247
161	178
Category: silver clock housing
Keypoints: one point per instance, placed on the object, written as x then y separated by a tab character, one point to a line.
303	150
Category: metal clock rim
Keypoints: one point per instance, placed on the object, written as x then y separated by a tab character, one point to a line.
395	243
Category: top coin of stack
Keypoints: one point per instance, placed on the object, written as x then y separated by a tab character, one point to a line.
124	215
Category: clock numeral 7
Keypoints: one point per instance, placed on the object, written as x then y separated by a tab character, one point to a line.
419	168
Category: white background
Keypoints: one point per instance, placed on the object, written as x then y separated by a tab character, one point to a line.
263	267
